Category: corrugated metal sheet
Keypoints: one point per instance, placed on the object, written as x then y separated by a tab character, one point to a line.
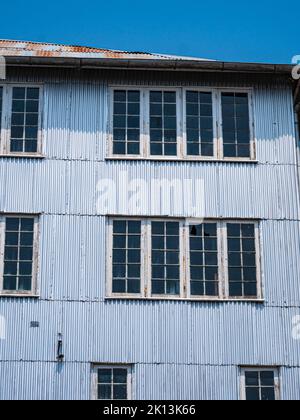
179	349
37	49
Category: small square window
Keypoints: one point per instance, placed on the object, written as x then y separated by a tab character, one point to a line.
112	383
260	384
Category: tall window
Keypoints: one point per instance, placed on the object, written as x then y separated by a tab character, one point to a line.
126	122
236	125
260	384
126	256
112	383
204	260
18	238
199	124
242	269
173	259
20	115
163	123
165	258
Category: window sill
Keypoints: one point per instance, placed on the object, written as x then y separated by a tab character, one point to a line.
22	156
178	299
177	159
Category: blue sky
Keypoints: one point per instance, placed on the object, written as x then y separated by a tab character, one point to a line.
254	31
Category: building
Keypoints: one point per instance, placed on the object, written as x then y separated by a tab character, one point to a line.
112	285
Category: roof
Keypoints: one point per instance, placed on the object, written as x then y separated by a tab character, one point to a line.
10	48
37	54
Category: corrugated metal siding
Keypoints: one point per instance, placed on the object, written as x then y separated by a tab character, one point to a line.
154	382
179	349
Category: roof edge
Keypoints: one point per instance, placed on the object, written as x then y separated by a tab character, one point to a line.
148	64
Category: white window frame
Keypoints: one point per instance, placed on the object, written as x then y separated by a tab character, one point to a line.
277	380
94	382
5	132
184	251
35	258
249	92
181	124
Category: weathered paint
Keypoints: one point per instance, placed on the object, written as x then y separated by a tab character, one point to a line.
178	349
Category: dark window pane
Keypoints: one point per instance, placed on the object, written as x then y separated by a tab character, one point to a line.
33	93
211	288
172	288
18	93
25	283
119	226
9	283
158	228
119	148
252	394
120	95
12	224
134	286
155	96
197	288
119	286
119	271
104	392
133	96
156	149
120	392
235	289
120	376
11	253
158	287
267	394
252	378
229	151
133	148
267	378
250	289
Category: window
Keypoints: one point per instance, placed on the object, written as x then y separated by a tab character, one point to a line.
126	122
126	256
199	124
163	123
181	123
236	125
260	384
174	259
242	259
165	258
204	270
19	248
112	383
21	120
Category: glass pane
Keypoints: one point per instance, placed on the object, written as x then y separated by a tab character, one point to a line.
252	378
104	392
120	376
120	392
252	394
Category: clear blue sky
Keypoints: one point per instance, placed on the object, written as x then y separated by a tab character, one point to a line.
258	30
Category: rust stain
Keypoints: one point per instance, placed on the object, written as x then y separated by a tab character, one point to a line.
32	49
